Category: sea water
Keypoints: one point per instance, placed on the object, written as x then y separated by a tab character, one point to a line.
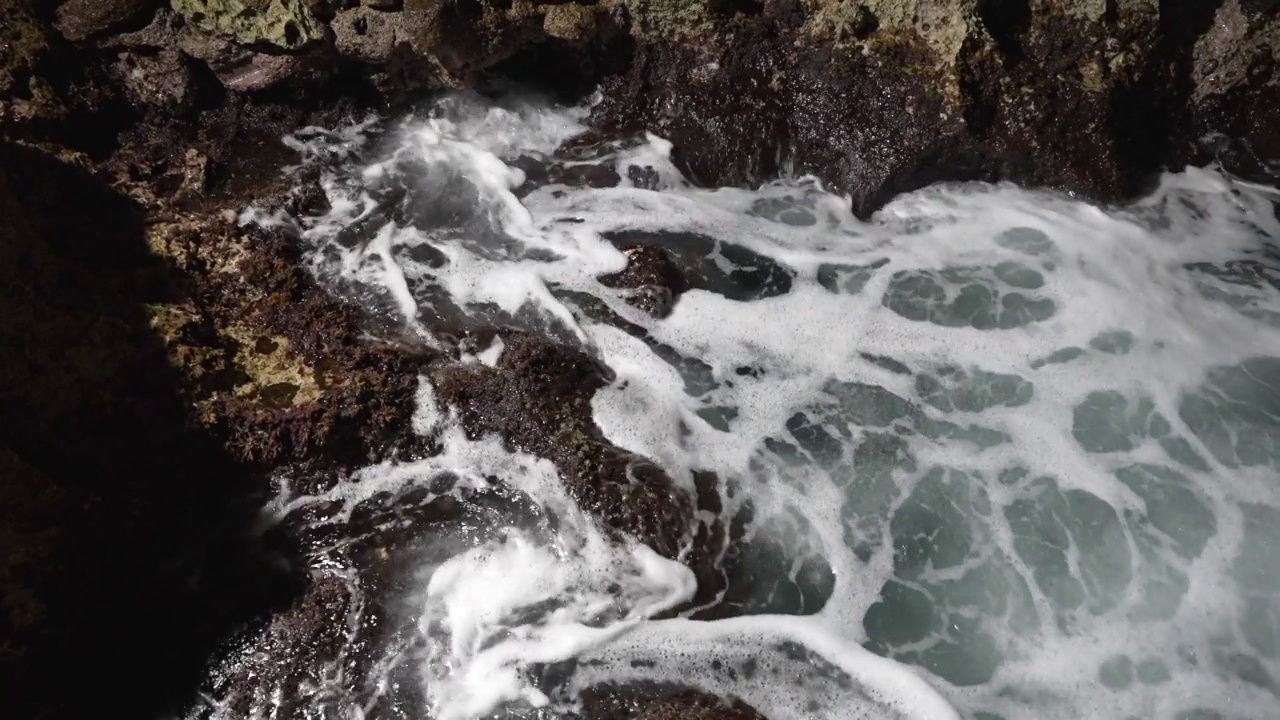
994	453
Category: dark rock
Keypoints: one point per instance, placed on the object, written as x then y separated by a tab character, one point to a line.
24	43
539	399
111	491
161	80
292	652
653	701
1049	95
654	277
81	19
540	172
364	34
1236	90
706	263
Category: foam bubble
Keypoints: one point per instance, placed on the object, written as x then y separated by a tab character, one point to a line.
1028	439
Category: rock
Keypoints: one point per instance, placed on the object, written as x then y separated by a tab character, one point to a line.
883	97
943	25
364	34
81	19
735	112
23	44
540	172
539	398
293	651
1236	89
652	701
572	22
385	5
237	67
164	31
159	80
288	24
653	277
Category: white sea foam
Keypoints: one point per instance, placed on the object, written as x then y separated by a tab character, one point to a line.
1023	446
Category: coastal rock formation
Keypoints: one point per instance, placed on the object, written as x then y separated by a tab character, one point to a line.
875	97
161	362
879	98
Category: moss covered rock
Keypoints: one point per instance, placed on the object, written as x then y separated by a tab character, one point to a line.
288	24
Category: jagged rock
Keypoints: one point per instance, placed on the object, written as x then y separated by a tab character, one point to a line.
288	24
882	97
539	398
163	31
291	653
1237	91
572	22
81	19
238	67
160	80
652	276
364	34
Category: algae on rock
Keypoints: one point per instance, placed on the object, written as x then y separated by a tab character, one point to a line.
288	24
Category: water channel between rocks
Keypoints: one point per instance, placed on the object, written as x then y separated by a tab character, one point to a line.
993	454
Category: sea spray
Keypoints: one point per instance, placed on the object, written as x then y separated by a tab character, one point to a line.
1031	442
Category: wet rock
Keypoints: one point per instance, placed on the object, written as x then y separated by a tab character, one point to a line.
880	98
539	398
540	172
461	38
239	68
156	534
706	263
652	701
653	276
163	31
883	98
80	19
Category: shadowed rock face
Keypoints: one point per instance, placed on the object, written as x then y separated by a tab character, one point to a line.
1093	103
875	97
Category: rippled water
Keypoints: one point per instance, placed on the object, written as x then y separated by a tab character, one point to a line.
996	451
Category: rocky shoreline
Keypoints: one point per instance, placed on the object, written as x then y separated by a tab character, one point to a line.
161	363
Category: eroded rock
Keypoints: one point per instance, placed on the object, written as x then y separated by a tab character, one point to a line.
161	80
288	24
365	34
653	277
80	19
539	398
1236	88
294	652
